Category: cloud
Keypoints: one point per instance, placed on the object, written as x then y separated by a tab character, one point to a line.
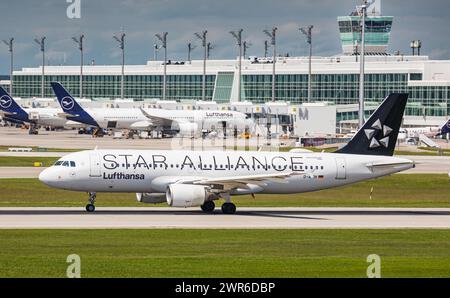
141	19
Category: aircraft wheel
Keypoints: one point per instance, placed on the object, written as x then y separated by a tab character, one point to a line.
229	208
208	206
90	208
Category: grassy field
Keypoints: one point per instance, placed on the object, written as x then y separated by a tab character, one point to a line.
225	253
402	190
26	161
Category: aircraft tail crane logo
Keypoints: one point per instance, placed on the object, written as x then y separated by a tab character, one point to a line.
67	103
5	101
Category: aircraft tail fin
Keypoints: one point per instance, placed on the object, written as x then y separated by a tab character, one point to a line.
445	129
10	107
379	134
71	106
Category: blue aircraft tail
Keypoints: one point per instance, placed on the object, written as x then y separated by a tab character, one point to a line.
11	108
445	129
71	106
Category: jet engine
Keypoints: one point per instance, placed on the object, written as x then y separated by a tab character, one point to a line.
185	195
151	198
187	128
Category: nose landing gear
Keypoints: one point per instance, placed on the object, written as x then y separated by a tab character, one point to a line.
91	207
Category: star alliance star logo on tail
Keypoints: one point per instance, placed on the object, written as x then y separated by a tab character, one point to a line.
5	101
371	132
67	103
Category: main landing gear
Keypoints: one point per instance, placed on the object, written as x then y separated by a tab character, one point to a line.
227	207
208	206
91	207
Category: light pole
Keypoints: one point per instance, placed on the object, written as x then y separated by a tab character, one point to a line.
363	11
10	45
191	47
121	40
210	47
156	49
266	48
202	37
273	37
41	43
308	32
246	46
79	42
238	36
416	44
163	38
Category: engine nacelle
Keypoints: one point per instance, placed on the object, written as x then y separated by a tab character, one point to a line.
185	195
188	128
151	198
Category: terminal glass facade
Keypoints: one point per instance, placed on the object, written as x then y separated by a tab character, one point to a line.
335	88
108	86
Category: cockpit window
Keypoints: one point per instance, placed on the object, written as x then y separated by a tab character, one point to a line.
65	163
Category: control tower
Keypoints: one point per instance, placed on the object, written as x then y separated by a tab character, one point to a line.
378	31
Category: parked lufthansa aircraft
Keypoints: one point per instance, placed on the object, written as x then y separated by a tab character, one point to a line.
188	178
10	110
185	122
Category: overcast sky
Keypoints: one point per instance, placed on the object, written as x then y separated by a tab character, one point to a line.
141	19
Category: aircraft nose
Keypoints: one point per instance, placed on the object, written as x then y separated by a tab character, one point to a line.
49	176
44	176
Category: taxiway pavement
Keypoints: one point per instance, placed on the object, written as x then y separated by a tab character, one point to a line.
245	218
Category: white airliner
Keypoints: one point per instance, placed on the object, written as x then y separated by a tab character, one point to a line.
184	122
429	131
11	111
190	178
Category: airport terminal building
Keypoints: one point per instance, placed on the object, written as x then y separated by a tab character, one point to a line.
335	80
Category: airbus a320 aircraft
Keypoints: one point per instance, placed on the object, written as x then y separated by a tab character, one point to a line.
11	111
184	122
189	178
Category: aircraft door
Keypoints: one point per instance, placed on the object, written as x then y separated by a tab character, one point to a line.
341	172
94	160
111	124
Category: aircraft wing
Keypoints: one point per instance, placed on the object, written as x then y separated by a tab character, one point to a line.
157	121
66	115
229	183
